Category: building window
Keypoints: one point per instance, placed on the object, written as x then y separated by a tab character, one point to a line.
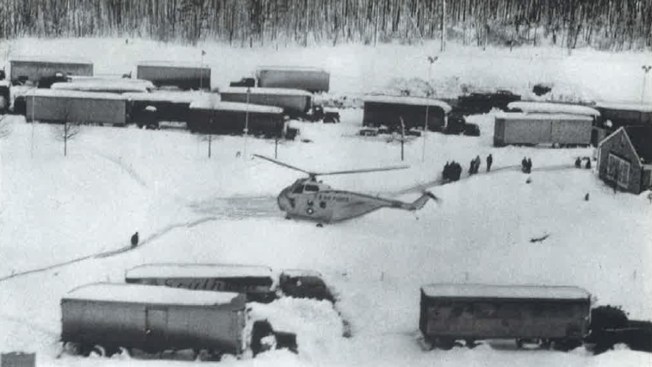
618	170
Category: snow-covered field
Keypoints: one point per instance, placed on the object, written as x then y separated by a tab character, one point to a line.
189	208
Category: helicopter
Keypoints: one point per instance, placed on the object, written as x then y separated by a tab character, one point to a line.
313	200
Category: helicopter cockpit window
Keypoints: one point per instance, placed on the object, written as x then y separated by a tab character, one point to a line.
298	189
311	188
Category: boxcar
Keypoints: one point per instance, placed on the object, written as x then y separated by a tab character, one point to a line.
257	282
294	102
40	71
470	312
389	110
176	74
542	128
58	106
152	319
293	77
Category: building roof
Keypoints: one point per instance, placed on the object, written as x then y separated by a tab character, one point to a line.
504	291
406	100
136	293
641	138
547	107
198	271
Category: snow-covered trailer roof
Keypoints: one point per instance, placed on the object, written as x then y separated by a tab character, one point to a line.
165	96
542	116
198	271
136	293
445	290
300	273
49	59
110	78
546	107
415	101
290	68
103	86
233	106
61	93
271	91
173	64
639	107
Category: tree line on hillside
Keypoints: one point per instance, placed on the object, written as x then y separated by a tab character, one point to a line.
604	24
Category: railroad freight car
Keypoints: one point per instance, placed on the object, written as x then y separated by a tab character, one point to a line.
539	128
470	312
390	110
43	72
294	102
257	282
152	319
310	79
175	74
58	106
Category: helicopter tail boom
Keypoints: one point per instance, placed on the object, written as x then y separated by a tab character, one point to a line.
420	202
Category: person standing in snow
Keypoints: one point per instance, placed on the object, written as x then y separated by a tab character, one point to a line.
134	240
578	163
472	167
478	162
529	165
524	165
588	163
490	161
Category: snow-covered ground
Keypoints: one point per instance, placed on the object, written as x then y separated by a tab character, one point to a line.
189	208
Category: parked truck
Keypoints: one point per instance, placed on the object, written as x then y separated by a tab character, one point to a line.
175	74
294	102
542	128
412	112
310	79
152	319
59	106
44	72
549	315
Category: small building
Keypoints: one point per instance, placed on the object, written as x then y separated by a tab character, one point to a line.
390	110
625	158
175	74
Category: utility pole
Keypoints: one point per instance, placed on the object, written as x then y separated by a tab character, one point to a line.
402	139
646	69
431	60
246	128
443	25
33	90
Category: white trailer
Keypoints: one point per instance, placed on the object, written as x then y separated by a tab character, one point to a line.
293	77
59	106
539	128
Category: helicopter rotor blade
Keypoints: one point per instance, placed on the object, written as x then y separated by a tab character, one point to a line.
380	169
284	164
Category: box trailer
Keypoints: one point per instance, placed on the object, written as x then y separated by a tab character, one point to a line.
175	74
542	128
233	118
152	319
294	102
58	106
470	312
293	77
390	110
167	106
257	282
44	71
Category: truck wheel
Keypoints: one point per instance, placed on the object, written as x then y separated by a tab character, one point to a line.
470	343
445	343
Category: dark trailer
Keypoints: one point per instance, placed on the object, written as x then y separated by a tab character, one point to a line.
233	118
149	109
294	102
257	282
59	106
175	74
43	72
310	79
625	114
389	110
471	312
152	319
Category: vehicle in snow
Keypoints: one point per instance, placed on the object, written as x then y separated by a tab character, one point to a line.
43	72
389	111
175	74
5	100
477	103
59	106
304	284
542	128
220	117
310	79
309	199
256	282
550	315
150	109
152	319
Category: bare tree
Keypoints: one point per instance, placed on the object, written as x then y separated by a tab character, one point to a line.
66	131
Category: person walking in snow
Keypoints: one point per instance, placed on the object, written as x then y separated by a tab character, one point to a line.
478	162
472	167
134	240
490	161
447	171
524	165
588	163
578	163
529	165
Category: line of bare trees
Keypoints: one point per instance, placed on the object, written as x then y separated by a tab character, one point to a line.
614	24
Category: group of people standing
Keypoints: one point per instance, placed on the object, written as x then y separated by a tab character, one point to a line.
526	165
587	164
453	170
